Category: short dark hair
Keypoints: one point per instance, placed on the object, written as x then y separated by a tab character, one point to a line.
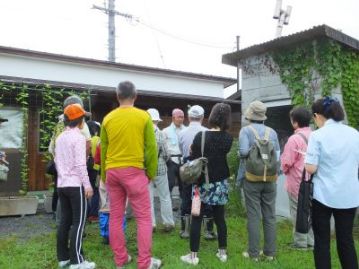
126	90
93	127
221	116
72	123
329	107
300	115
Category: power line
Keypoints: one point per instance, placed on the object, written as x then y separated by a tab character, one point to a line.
131	18
164	32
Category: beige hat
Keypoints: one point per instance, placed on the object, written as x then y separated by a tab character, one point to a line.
256	111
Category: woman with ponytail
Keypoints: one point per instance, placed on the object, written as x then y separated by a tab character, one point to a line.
333	158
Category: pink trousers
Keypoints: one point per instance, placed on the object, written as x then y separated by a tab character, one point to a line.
131	183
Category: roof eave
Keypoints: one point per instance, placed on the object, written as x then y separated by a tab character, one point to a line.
225	81
322	31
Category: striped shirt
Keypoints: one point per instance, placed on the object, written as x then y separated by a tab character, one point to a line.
163	154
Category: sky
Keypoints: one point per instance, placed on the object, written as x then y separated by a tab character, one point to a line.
187	35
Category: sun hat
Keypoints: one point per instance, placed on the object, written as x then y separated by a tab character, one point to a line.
75	111
196	111
155	115
256	111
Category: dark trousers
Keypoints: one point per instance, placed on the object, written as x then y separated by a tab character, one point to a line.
195	234
173	175
344	220
55	196
73	216
186	200
186	203
93	205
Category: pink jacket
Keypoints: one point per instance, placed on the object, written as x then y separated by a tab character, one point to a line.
292	160
70	159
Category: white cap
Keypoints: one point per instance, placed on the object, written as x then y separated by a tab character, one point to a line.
155	115
196	111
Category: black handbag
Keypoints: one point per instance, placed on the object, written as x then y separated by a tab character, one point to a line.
51	168
304	208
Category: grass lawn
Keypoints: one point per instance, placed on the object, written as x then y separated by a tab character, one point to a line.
39	252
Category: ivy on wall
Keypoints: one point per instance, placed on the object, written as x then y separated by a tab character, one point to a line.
22	99
319	67
50	108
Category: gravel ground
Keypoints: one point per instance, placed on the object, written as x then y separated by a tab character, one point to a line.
26	227
42	223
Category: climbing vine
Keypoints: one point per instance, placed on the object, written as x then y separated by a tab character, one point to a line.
50	107
320	67
350	86
22	99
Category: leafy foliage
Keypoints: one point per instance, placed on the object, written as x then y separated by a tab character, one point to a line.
319	67
23	100
51	108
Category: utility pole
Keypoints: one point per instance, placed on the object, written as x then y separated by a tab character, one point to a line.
111	31
282	16
111	12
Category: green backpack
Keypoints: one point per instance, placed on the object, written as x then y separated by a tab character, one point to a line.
261	163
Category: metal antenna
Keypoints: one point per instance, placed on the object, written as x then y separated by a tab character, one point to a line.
282	16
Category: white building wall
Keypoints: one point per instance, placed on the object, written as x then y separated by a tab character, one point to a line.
258	83
43	69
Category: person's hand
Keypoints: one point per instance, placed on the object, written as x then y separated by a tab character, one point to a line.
88	193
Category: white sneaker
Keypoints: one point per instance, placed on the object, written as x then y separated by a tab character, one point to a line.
88	265
63	264
245	254
83	265
222	257
155	263
129	259
188	259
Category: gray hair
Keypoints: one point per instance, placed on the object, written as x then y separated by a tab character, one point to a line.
73	99
126	90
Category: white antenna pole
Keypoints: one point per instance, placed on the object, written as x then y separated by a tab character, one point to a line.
282	16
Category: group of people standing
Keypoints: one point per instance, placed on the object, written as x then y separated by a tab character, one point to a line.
136	158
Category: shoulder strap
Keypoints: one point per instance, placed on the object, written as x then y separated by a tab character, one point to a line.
256	135
202	142
304	138
266	134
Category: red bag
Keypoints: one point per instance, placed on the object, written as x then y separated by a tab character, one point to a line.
97	157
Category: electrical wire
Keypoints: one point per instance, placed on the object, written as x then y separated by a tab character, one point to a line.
130	18
155	37
198	43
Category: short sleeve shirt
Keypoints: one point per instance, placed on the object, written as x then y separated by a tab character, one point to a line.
334	149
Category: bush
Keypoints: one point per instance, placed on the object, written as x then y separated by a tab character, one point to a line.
235	206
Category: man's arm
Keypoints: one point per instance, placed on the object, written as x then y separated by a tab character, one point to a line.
104	145
243	143
151	152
